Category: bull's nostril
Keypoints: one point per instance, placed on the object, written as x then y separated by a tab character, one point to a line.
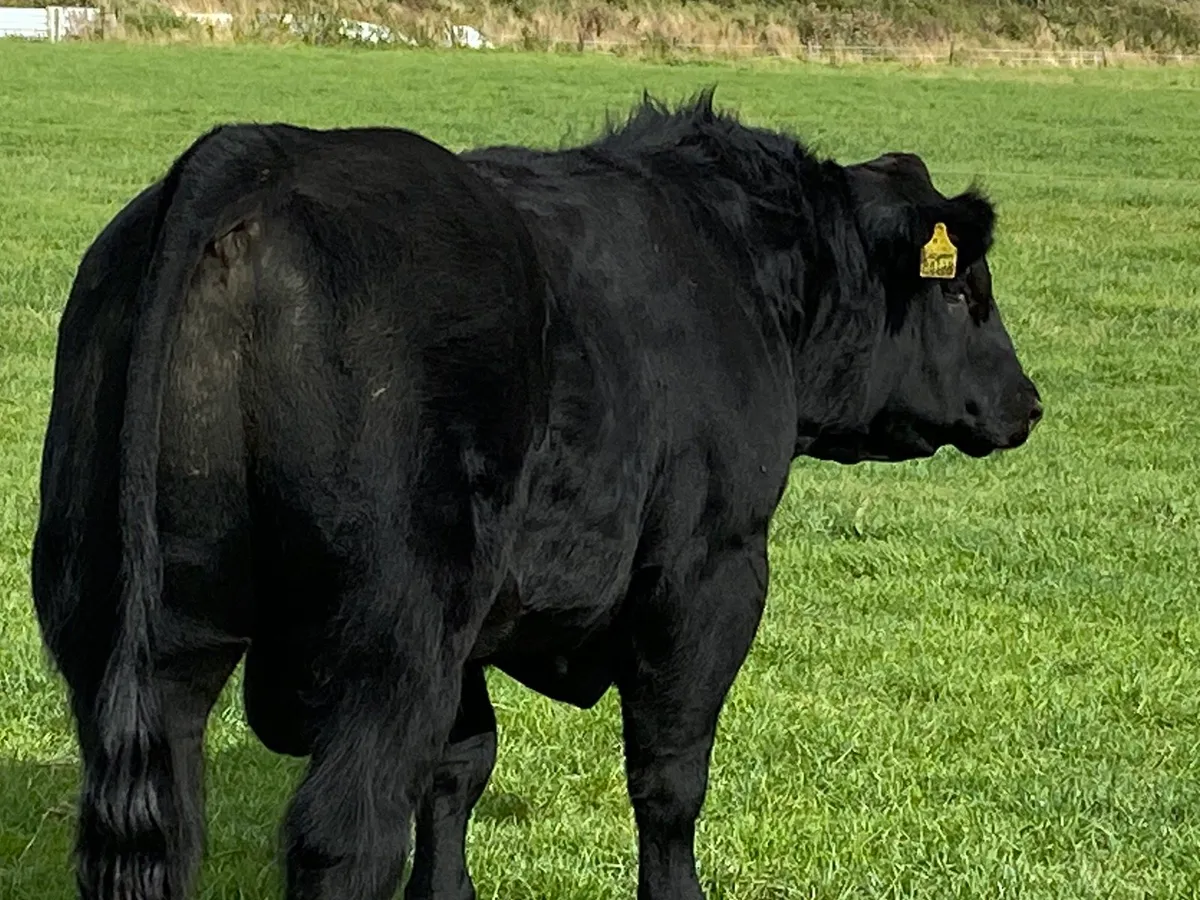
972	408
1035	413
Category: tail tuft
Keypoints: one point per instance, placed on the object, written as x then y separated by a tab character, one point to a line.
129	813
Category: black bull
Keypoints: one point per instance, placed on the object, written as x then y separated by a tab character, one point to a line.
377	416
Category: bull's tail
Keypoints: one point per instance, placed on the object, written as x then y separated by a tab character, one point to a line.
132	820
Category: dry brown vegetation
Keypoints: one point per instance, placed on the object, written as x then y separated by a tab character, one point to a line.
918	29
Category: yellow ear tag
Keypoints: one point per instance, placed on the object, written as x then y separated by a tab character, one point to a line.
939	258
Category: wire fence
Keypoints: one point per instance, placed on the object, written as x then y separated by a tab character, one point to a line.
949	54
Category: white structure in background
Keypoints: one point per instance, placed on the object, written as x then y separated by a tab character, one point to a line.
50	23
466	36
54	23
367	32
216	20
373	33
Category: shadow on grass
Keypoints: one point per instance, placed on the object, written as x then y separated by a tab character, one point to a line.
37	818
248	791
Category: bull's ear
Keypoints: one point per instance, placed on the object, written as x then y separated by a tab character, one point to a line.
970	221
897	217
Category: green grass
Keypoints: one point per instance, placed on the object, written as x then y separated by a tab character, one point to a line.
974	678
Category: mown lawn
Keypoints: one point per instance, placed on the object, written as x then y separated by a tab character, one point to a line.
974	679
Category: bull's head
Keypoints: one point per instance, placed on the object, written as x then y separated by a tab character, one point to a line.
942	368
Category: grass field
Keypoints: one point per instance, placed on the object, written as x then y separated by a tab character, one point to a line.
974	678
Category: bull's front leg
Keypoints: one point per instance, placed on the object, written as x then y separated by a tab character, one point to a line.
689	635
439	862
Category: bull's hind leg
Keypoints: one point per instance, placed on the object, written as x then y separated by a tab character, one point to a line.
690	637
439	859
141	821
389	703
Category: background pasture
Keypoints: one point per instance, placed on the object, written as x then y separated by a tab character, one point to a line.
973	679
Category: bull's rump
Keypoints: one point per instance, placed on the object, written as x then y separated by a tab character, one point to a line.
359	351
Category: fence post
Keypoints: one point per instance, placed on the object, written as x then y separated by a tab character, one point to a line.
951	61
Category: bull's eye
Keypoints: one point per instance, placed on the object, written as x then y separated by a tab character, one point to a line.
955	297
